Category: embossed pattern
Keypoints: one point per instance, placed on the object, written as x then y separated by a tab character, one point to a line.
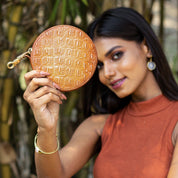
67	53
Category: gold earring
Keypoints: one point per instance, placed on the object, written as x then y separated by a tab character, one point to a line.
151	65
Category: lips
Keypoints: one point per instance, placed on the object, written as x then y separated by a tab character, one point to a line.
117	83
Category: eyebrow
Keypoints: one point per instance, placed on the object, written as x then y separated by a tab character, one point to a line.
112	49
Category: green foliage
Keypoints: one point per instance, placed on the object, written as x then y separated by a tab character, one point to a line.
53	14
175	68
64	10
85	2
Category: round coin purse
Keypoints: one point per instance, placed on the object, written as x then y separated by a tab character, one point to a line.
64	51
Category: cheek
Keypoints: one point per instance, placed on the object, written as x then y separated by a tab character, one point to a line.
101	77
133	64
129	62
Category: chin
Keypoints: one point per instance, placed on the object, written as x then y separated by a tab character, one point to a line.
122	94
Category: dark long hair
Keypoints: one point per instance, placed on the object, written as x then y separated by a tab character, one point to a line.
129	25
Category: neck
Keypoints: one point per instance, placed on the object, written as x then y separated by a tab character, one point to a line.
147	90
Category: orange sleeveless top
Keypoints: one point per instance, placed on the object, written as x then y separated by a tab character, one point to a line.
136	141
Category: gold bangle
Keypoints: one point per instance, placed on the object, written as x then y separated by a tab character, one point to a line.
38	150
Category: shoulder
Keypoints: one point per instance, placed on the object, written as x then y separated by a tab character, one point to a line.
173	171
175	114
174	105
175	134
96	122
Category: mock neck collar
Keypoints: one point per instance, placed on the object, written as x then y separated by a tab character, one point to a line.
148	107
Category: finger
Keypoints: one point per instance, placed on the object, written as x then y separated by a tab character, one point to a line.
39	82
45	90
34	74
29	95
36	100
45	99
32	87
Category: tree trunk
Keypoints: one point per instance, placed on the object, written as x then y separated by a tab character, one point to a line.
161	27
4	125
7	84
109	4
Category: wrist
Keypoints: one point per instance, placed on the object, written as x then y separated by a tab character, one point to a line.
47	132
39	150
46	140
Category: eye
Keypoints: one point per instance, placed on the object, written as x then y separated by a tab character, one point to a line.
117	55
99	65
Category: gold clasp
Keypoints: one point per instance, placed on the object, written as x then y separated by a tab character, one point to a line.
19	58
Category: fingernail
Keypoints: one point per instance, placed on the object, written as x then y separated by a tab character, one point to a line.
64	97
44	73
56	86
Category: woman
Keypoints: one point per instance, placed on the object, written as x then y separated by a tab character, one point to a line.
135	107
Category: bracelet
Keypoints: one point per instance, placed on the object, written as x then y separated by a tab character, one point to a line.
38	150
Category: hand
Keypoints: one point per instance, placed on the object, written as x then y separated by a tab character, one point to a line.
44	97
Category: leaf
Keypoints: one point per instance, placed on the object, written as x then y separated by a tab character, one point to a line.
64	8
73	8
54	12
85	2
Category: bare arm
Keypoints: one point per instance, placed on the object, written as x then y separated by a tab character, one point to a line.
44	100
75	154
173	171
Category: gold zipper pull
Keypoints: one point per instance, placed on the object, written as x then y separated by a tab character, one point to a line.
12	64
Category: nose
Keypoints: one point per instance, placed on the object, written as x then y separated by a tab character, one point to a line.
108	70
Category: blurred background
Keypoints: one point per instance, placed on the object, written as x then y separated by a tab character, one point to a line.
21	21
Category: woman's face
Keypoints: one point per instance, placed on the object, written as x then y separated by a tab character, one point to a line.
122	65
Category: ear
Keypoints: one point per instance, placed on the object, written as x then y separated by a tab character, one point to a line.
146	49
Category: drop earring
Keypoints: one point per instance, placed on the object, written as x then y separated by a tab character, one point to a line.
151	65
